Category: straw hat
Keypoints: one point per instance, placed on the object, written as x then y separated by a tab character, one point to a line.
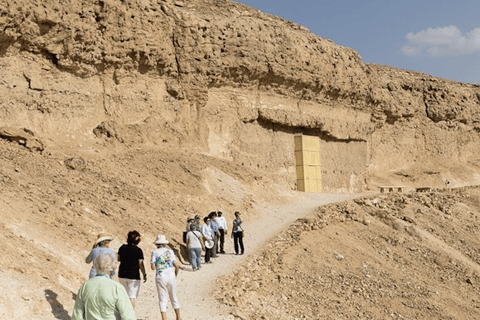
103	237
161	239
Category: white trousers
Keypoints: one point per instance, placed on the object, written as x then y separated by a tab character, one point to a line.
167	287
132	286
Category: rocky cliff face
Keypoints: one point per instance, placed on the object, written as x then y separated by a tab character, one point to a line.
232	81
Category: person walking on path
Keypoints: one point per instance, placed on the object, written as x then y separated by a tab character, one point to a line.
101	247
208	238
237	233
194	246
214	226
190	221
223	230
101	297
131	259
196	222
165	263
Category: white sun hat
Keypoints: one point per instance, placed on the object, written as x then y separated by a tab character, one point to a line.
209	243
161	239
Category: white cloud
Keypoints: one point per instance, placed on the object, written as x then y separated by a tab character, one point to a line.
446	41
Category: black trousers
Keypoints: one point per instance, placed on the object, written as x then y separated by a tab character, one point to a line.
208	254
238	240
222	239
215	246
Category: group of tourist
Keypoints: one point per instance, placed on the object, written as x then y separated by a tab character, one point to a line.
210	237
102	298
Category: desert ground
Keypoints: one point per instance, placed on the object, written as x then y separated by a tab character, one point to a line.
133	115
196	289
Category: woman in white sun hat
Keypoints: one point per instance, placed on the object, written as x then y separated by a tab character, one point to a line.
101	247
166	265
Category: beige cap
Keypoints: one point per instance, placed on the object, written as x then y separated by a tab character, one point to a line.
102	237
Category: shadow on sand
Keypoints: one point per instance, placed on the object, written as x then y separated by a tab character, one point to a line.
180	250
58	310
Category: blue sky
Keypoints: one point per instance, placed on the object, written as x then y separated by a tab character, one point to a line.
438	37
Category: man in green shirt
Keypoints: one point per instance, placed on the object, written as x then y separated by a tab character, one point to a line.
101	298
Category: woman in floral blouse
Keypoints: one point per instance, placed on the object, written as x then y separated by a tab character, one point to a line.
165	263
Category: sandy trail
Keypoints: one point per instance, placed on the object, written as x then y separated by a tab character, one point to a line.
195	288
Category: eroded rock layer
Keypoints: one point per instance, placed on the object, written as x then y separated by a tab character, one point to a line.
232	81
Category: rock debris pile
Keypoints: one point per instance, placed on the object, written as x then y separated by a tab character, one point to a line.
395	256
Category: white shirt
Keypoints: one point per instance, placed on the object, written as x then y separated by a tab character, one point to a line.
207	231
222	223
193	239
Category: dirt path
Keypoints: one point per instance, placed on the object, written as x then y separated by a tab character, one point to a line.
195	288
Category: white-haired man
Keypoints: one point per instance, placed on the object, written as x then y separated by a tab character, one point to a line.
101	297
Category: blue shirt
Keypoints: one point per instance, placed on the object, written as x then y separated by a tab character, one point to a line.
214	226
237	225
94	254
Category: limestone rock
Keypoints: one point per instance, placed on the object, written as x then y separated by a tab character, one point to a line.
23	137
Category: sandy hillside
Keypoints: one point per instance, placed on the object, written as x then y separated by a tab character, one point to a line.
120	115
396	256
